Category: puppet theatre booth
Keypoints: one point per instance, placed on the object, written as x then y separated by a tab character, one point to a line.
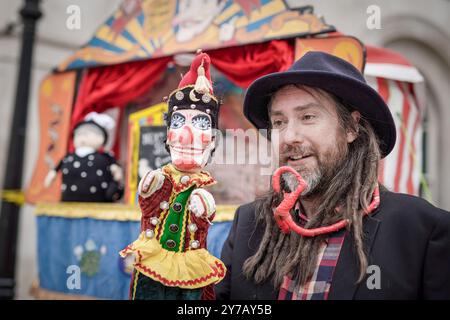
123	74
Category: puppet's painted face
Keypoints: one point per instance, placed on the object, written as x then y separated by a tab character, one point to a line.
190	139
88	135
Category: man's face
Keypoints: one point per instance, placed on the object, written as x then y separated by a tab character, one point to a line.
311	139
190	139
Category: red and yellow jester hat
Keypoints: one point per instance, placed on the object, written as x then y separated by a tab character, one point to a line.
195	91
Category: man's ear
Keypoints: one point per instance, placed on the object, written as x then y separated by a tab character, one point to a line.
353	134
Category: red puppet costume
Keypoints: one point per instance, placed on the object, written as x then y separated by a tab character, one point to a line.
172	261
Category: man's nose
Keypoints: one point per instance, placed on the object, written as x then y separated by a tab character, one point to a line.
186	136
292	134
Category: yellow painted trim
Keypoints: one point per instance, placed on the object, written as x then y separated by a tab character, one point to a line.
155	110
132	187
13	196
79	210
135	29
112	211
106	34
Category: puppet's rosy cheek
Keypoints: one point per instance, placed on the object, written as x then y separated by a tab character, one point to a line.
171	136
205	138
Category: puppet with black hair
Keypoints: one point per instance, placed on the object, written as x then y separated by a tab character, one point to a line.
171	259
88	174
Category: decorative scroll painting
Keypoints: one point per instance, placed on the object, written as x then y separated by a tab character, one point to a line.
143	29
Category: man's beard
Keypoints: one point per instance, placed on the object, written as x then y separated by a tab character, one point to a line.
318	179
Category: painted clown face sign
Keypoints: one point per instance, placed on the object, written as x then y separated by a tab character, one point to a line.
190	139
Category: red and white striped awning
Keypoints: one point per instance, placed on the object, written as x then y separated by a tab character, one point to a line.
395	80
387	64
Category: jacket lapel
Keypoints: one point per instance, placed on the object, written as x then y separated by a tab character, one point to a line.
343	286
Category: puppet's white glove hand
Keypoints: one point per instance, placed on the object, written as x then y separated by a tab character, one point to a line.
49	178
201	203
150	183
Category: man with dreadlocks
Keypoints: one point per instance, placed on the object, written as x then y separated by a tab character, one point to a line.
336	233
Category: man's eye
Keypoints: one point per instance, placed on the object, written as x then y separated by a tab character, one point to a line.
201	122
277	123
308	117
177	121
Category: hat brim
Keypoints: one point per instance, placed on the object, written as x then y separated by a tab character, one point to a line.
358	94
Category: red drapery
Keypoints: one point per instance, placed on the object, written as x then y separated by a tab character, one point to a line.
242	65
115	86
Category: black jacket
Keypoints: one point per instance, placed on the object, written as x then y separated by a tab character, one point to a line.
406	237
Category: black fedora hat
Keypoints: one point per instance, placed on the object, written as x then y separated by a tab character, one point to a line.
334	75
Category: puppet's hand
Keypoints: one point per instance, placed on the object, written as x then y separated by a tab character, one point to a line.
150	183
201	203
49	178
117	172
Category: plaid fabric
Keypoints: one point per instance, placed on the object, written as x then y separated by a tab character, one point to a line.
319	285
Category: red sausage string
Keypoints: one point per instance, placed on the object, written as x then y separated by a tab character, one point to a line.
282	212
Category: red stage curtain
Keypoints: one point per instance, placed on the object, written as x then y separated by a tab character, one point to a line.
115	86
241	65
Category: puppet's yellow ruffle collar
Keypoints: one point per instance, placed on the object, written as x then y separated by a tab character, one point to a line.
190	270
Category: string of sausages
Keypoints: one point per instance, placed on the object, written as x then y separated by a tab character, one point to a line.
282	213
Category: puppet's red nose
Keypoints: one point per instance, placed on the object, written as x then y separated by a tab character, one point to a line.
186	137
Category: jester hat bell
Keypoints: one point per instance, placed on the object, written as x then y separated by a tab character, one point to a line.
195	91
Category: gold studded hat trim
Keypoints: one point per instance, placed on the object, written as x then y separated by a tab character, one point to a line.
191	99
183	89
